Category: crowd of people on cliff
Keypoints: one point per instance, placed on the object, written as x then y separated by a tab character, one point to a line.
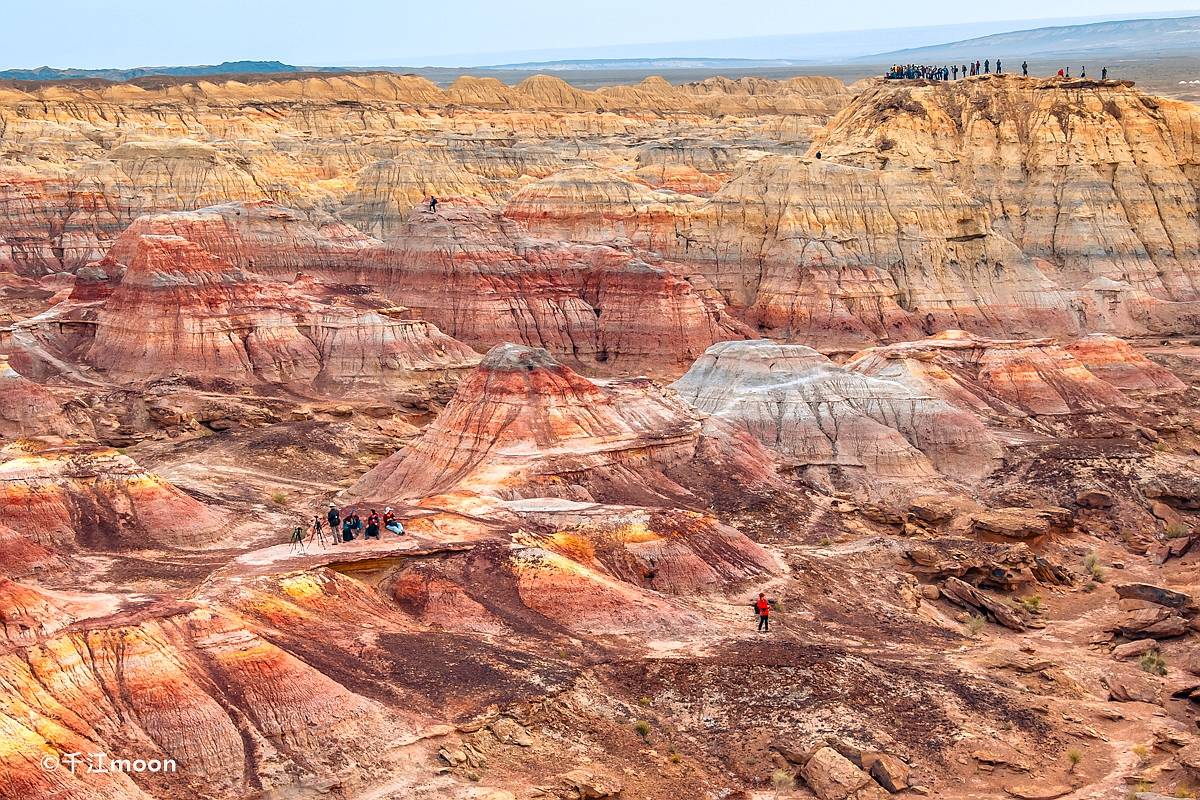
929	72
345	526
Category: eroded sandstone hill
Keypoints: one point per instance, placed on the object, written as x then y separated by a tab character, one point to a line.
934	393
1000	205
81	164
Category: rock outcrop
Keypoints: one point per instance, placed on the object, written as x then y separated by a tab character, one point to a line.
483	279
999	379
67	497
1094	179
27	409
815	413
179	309
83	162
523	425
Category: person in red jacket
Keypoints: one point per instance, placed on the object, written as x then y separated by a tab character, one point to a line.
763	607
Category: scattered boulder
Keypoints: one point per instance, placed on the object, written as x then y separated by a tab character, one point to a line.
1134	649
509	731
1164	512
587	785
832	776
1130	689
1152	623
890	772
1021	523
963	594
936	509
1150	593
1094	498
1189	758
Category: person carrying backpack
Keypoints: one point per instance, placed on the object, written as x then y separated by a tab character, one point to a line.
762	607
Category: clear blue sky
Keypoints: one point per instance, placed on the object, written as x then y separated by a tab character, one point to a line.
127	33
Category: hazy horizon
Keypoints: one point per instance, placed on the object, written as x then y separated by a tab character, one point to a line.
140	33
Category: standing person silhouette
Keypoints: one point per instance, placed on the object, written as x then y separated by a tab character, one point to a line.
762	607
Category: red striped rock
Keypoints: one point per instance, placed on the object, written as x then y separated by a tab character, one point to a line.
995	378
484	280
68	497
524	425
27	409
180	309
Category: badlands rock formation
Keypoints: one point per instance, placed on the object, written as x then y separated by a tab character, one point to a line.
938	403
1094	179
479	277
81	164
522	423
27	409
66	497
1017	378
180	309
483	279
818	414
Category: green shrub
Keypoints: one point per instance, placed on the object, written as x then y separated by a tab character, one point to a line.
1177	530
1032	604
278	498
1154	663
1091	563
1074	756
975	624
642	728
782	781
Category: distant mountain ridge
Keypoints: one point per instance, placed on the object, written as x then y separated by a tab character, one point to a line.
645	63
1173	35
224	68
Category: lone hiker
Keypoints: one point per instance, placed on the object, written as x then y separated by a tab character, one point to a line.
1024	69
432	204
762	607
1104	73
